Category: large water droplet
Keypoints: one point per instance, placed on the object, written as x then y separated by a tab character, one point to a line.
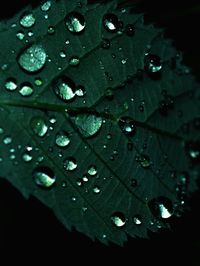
44	177
33	58
118	219
27	20
152	63
62	139
111	22
46	6
64	88
75	22
26	89
39	126
161	207
70	164
127	125
11	84
88	124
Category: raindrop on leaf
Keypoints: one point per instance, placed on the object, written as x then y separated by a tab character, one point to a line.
44	177
11	84
70	164
64	88
161	207
118	219
62	139
152	63
39	126
111	22
27	20
127	125
75	22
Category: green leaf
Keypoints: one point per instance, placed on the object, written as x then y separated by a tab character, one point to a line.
99	118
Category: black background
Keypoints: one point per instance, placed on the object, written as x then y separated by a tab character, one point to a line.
29	228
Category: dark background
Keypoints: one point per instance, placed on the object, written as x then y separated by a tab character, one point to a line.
29	228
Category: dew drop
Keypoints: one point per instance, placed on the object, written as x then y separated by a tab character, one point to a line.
80	91
130	30
1	130
105	44
161	207
193	150
20	35
27	20
26	89
62	54
11	84
26	157
39	126
118	219
137	220
127	125
46	6
96	190
70	164
152	63
44	177
64	88
92	170
7	140
62	139
74	61
38	82
111	22
51	30
88	124
144	160
33	58
75	22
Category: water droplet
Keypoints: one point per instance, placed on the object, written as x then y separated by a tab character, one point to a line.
74	61
79	182
26	157
27	20
92	170
51	30
46	6
109	136
144	160
124	61
118	219
152	63
85	178
44	177
80	91
193	150
11	84
20	35
130	30
70	164
134	182
30	34
105	44
161	207
62	54
38	82
62	139
111	22
1	130
33	58
39	126
64	88
88	124
26	89
96	190
7	140
137	220
75	22
127	125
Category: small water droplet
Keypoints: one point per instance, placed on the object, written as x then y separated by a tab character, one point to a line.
124	61
62	139
134	182
51	30
70	164
152	63
105	44
27	20
39	126
62	54
11	84
109	136
7	140
64	88
46	6
38	82
75	22
26	157
30	34
137	220
161	207
74	61
118	219
127	125
73	199
193	150
144	160
130	30
33	58
85	178
20	35
44	177
1	130
26	89
92	170
96	190
111	22
88	124
80	91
